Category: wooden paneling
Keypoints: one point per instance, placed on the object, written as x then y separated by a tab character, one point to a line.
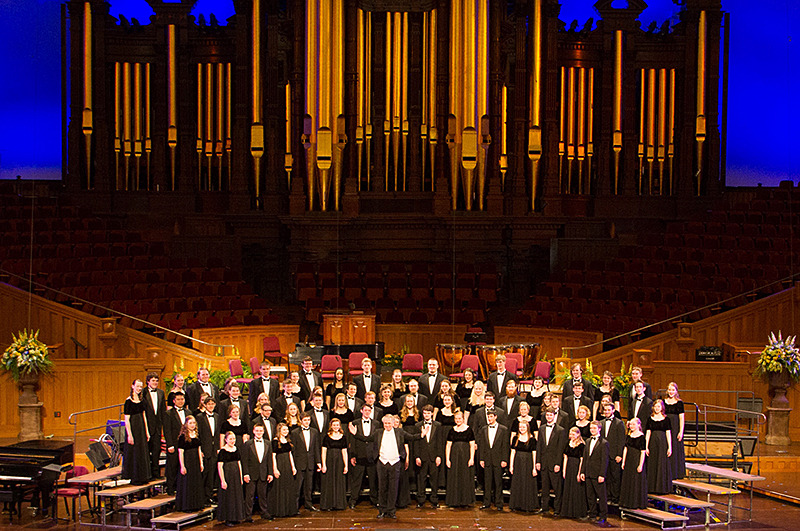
348	329
552	341
247	339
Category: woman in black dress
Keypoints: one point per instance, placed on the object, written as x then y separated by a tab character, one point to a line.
339	410
230	495
445	415
659	447
460	462
177	387
464	388
335	387
524	416
409	415
573	498
399	387
136	461
283	492
262	399
534	400
190	492
445	388
606	388
524	485
633	489
292	418
334	468
387	405
673	409
476	400
236	425
583	422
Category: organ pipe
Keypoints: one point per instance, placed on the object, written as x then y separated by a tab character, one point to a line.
87	120
172	91
535	132
616	142
700	127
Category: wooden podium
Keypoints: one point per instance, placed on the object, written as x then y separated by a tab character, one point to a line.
348	329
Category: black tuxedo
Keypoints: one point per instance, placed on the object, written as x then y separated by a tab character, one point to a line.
566	390
281	403
326	419
244	411
478	419
305	388
307	459
357	403
257	387
425	387
427	450
269	424
491	457
154	413
492	384
422	400
361	388
364	455
193	393
172	428
631	394
644	411
595	465
568	405
209	444
502	403
549	454
259	472
562	418
614	433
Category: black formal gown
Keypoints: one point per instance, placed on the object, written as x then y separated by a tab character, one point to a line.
585	430
136	462
524	486
536	406
190	489
599	394
334	483
573	497
447	421
390	409
463	393
460	476
659	473
407	476
633	489
230	501
345	418
677	460
331	391
240	431
283	493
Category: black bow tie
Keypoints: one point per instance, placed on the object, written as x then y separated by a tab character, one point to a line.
210	415
306	429
309	373
427	423
153	390
178	409
493	426
318	410
259	440
639	398
365	421
595	438
501	373
551	425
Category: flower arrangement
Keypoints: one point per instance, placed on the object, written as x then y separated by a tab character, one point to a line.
778	355
623	381
395	359
588	373
26	355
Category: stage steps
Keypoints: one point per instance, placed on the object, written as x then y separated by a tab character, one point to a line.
655	516
148	504
686	504
181	519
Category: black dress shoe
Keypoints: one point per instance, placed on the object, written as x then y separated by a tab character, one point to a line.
267	517
352	505
392	515
435	505
312	508
500	508
380	515
248	520
601	521
420	505
537	511
486	506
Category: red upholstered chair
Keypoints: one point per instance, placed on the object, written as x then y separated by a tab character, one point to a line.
255	366
74	490
520	363
412	365
272	350
511	365
468	361
236	370
329	364
542	368
354	363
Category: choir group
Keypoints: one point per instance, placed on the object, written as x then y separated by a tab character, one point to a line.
569	451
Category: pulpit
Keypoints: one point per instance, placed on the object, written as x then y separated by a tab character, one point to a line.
348	329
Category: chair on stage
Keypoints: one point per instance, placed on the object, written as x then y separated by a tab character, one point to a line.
542	368
329	364
255	366
520	363
354	363
272	351
412	365
74	490
236	370
468	361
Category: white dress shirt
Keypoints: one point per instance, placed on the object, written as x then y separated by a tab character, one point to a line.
389	453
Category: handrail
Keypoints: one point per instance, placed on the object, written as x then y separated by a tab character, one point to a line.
761	419
74	423
111	310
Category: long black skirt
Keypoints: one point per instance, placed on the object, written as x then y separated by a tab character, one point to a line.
333	485
460	477
190	490
633	490
659	473
283	494
230	501
524	485
573	498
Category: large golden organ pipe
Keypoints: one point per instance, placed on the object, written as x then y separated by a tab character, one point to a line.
562	142
700	126
126	121
651	125
86	124
661	148
656	130
117	123
360	42
199	143
172	92
257	126
642	102
616	140
148	146
137	122
535	131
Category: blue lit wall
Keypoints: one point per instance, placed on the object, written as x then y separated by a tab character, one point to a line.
764	99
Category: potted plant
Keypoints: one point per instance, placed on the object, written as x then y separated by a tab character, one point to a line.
779	365
26	359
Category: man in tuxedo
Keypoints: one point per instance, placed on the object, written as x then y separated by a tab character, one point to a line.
429	383
572	403
429	453
549	458
366	381
320	417
155	405
640	405
389	445
614	432
362	456
283	400
636	376
480	418
561	416
202	385
309	379
265	419
209	425
510	402
577	376
174	420
264	384
235	399
376	412
257	472
353	402
307	454
493	449
497	380
594	468
413	391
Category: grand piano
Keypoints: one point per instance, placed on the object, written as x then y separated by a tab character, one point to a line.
29	471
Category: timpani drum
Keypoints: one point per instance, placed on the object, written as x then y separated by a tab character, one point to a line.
529	351
449	355
487	355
